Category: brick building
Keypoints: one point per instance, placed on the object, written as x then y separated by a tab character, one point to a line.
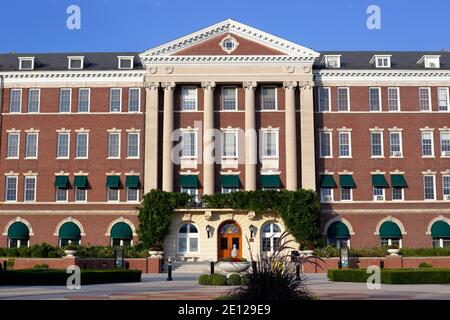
84	135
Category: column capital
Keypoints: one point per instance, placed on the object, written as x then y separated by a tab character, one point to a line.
290	85
208	85
151	85
249	85
168	85
306	85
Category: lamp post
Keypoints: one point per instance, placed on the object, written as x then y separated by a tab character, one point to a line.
169	270
208	230
252	230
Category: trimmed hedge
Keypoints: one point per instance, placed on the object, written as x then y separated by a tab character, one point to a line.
393	276
234	280
204	280
58	277
425	252
217	279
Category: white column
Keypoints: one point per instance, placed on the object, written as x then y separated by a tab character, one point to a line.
251	141
167	183
208	137
308	161
290	135
151	136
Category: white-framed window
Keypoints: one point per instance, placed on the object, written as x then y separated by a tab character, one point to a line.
126	62
443	99
34	98
84	99
82	145
29	193
324	97
229	190
11	188
375	99
62	194
132	194
382	61
270	237
376	141
393	99
26	63
332	62
269	143
268	98
188	238
325	144
192	192
133	145
114	145
427	144
343	99
230	142
113	194
395	144
189	98
13	145
134	100
65	100
76	63
432	62
391	242
346	194
429	187
445	143
424	99
229	98
62	151
31	145
189	144
326	194
15	101
80	194
440	242
397	194
446	187
115	100
345	144
378	193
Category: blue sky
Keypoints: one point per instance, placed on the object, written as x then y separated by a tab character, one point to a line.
137	25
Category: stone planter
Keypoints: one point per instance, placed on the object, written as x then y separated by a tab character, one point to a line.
233	267
156	254
394	252
70	253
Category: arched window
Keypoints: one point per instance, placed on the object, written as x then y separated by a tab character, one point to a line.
440	233
338	235
390	234
187	238
69	233
121	235
18	235
270	235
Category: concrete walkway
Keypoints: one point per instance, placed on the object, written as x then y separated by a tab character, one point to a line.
185	287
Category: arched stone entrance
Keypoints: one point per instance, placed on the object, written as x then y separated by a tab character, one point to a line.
229	234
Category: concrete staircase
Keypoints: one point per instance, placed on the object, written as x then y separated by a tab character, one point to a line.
189	267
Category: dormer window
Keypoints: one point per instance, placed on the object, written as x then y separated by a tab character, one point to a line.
76	63
126	62
381	61
332	61
430	61
26	63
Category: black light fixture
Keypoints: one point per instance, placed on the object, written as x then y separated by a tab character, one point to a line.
252	229
208	230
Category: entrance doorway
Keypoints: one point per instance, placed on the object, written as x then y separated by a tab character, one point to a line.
229	235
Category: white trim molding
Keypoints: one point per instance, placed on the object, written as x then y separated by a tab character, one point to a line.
69	219
121	219
18	219
434	220
340	219
391	219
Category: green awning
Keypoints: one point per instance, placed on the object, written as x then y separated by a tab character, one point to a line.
390	229
69	231
230	181
80	182
121	230
270	181
132	182
440	229
346	181
327	181
338	230
398	180
113	182
18	230
62	182
379	181
189	181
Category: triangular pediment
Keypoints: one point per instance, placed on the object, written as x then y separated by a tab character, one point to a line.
248	41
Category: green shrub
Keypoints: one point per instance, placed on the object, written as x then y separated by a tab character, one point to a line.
368	252
425	265
348	275
244	280
425	252
204	279
41	266
327	252
218	279
234	280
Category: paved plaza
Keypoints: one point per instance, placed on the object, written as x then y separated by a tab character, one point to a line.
185	287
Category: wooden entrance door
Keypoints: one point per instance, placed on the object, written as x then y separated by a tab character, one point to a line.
229	235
